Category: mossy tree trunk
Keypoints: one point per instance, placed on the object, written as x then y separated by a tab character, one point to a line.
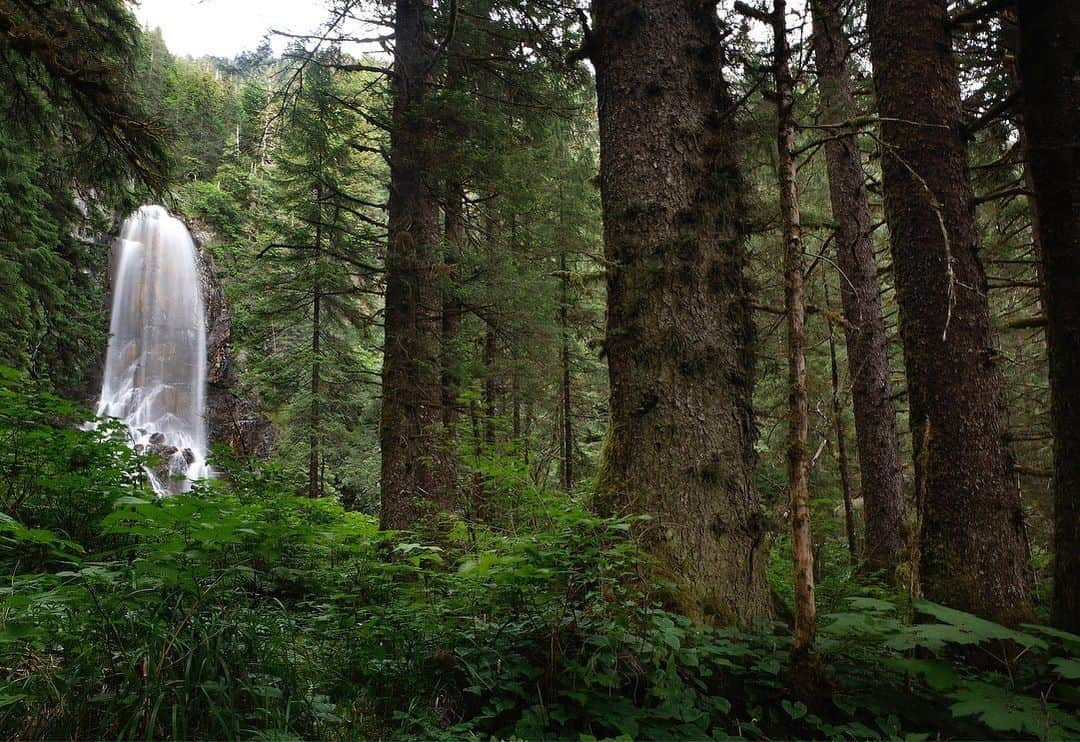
972	544
876	437
491	384
1049	59
840	430
680	442
414	476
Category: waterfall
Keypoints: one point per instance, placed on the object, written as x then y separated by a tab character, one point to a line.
155	370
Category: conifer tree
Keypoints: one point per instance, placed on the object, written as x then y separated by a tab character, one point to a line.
972	542
680	444
415	478
310	304
73	134
66	66
860	289
1050	51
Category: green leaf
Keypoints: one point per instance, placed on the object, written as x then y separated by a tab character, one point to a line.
795	710
1067	668
939	675
845	704
871	604
1071	642
997	709
962	628
129	500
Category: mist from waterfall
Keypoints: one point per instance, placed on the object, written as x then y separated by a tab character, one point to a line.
155	370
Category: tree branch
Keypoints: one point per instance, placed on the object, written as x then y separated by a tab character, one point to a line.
992	114
752	12
978	12
1007	193
585	51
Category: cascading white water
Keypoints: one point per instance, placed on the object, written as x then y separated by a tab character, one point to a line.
155	371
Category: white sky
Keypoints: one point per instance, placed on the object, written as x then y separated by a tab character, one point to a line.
227	27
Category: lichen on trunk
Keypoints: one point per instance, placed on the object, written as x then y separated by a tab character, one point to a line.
680	442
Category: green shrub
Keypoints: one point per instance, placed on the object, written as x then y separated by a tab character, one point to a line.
242	610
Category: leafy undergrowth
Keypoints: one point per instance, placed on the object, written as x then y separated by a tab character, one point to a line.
242	610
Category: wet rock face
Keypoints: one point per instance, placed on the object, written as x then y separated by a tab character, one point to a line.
168	464
89	390
219	371
233	419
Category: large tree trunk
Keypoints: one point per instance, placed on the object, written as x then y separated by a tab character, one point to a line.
972	545
680	443
414	476
1049	58
867	349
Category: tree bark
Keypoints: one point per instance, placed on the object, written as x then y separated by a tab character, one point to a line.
798	463
515	396
972	540
490	386
314	480
680	444
454	237
876	437
841	448
566	468
1049	55
413	476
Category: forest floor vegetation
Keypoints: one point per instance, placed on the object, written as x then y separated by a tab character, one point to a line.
243	610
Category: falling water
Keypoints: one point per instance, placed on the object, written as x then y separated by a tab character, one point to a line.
155	371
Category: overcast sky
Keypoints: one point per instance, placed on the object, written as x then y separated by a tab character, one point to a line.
227	27
224	28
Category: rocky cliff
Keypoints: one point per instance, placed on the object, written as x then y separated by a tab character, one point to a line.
233	418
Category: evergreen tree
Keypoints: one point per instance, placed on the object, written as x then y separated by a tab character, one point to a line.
415	476
1050	51
309	305
67	68
972	544
51	319
860	291
680	443
73	131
